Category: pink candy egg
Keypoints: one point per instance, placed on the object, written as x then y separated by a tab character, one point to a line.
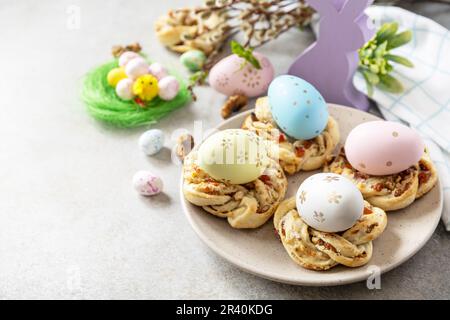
383	147
157	70
147	184
168	88
230	78
124	89
126	57
136	67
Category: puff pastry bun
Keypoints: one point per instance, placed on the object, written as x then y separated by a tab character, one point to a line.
391	192
297	155
244	206
317	250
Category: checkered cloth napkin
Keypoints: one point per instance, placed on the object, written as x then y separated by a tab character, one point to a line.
425	103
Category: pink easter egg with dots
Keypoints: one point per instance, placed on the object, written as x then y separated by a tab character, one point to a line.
234	75
383	147
124	89
157	70
147	184
126	57
136	67
168	88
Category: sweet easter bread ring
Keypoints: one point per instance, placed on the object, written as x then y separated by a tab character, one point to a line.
390	192
317	250
245	206
296	155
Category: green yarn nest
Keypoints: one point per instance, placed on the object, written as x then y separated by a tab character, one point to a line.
103	103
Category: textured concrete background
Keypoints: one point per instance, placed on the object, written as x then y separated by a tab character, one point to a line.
70	224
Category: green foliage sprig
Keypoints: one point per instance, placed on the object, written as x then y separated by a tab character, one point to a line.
245	53
375	58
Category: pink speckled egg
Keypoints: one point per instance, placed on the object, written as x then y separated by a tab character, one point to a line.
157	70
168	88
147	184
383	147
234	75
126	57
124	89
136	67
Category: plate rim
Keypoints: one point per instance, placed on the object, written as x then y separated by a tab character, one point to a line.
279	278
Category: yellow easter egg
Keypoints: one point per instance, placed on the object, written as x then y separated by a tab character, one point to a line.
234	156
146	87
115	75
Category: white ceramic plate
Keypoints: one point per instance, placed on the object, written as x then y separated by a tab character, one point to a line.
259	251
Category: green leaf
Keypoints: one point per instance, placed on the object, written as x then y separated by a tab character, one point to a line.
372	78
381	50
389	67
399	40
244	53
390	84
369	88
198	77
386	32
400	60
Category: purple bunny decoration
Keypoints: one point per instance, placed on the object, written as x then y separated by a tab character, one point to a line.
331	62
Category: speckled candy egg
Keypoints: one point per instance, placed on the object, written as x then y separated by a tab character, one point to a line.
126	57
151	141
157	70
168	88
234	75
124	89
383	147
147	184
297	107
329	202
193	60
136	67
234	156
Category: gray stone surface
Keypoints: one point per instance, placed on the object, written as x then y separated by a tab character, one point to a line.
70	224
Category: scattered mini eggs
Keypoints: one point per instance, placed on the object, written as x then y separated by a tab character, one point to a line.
124	89
383	147
234	75
297	107
151	141
329	202
147	184
146	87
193	60
126	57
168	88
136	67
115	75
233	156
157	70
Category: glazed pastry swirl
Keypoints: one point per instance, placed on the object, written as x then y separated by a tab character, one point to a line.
317	250
295	155
390	192
245	206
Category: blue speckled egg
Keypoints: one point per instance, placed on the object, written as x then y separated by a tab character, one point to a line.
151	141
297	107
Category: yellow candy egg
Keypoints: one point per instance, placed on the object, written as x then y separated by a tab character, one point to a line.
146	87
115	75
234	156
